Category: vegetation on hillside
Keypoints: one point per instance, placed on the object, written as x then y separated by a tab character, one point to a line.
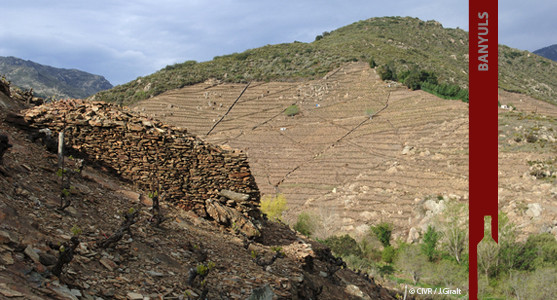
512	269
404	43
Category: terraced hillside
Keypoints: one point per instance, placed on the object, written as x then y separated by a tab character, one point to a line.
365	149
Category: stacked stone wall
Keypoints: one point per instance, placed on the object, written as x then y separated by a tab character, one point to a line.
148	152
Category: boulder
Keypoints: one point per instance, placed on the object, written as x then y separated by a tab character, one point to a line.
534	210
231	217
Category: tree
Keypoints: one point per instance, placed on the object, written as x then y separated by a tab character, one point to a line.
452	223
343	245
508	247
305	224
383	233
429	245
388	71
388	254
273	206
487	250
372	63
411	261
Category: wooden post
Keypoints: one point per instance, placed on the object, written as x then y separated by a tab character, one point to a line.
61	150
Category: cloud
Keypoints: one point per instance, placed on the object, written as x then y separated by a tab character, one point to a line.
126	39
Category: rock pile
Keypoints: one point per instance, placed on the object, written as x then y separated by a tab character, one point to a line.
150	153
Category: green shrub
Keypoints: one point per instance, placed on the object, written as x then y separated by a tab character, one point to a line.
429	245
305	224
387	72
343	245
386	270
372	63
540	250
388	254
273	206
292	110
383	233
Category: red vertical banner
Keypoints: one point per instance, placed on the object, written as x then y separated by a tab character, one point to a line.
483	134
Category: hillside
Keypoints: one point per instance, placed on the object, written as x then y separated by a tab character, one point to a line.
351	170
404	43
549	52
48	81
186	257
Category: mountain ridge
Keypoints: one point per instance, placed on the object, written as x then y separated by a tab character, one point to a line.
404	43
48	81
549	52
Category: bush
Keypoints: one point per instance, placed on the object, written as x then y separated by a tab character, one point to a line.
273	207
446	91
387	72
372	63
292	110
540	250
383	233
388	254
343	245
305	224
429	245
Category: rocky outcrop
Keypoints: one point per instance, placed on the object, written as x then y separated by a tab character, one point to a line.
190	172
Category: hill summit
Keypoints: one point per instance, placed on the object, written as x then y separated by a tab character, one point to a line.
47	81
402	43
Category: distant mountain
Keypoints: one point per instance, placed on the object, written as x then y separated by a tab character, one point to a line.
548	52
401	44
48	81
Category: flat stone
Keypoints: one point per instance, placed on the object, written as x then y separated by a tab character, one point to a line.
155	274
6	237
107	263
134	296
7	292
262	293
30	252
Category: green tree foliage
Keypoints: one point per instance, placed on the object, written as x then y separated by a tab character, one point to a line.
446	91
413	79
383	233
540	284
343	245
429	244
273	206
372	63
388	71
388	254
540	250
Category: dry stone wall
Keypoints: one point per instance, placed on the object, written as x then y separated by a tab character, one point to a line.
189	170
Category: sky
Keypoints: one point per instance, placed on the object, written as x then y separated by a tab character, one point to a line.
123	40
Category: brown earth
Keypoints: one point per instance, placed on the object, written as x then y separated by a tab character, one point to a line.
351	170
152	263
